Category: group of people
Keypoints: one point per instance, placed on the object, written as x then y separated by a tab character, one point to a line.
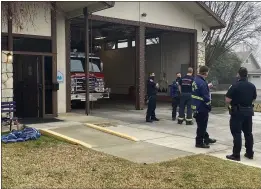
193	93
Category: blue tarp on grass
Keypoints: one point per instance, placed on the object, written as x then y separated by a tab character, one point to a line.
21	136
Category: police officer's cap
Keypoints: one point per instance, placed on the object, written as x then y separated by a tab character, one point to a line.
152	74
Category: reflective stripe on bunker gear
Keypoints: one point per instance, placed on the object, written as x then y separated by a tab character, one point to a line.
200	98
189	119
180	118
197	97
194	86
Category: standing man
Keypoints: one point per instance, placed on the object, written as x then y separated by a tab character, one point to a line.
178	74
152	89
201	105
175	94
185	87
241	96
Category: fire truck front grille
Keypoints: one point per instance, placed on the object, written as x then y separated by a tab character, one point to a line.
80	84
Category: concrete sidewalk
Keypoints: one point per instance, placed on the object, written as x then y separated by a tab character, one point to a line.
72	125
158	141
181	137
139	152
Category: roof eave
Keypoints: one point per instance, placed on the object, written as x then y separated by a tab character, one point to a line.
255	61
216	27
211	13
95	7
110	4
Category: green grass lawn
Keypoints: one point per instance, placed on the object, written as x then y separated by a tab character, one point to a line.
49	163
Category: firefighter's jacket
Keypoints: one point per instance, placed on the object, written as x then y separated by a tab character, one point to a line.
201	101
174	92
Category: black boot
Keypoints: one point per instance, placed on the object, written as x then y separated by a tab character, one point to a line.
180	121
189	123
210	141
202	145
148	119
233	157
173	119
249	156
154	119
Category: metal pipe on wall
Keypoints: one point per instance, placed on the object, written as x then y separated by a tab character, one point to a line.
86	28
161	57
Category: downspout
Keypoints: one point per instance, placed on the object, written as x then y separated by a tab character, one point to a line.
161	57
86	40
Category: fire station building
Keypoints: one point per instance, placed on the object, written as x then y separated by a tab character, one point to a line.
132	38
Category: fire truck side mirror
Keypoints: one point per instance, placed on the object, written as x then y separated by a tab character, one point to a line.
101	66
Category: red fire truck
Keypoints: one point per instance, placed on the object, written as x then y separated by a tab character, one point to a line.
97	88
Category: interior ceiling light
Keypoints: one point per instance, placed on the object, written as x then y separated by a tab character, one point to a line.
99	37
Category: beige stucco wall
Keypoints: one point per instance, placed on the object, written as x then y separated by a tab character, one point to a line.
41	24
61	62
123	10
161	12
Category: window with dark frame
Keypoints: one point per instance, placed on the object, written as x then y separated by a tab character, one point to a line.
149	41
123	43
32	44
133	43
152	41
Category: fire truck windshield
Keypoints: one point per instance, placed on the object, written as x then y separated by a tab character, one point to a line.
78	64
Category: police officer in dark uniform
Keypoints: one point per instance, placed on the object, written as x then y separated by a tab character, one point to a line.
175	95
201	106
152	89
185	86
241	96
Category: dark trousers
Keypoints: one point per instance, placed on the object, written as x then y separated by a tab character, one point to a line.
151	108
185	101
175	104
240	123
202	124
